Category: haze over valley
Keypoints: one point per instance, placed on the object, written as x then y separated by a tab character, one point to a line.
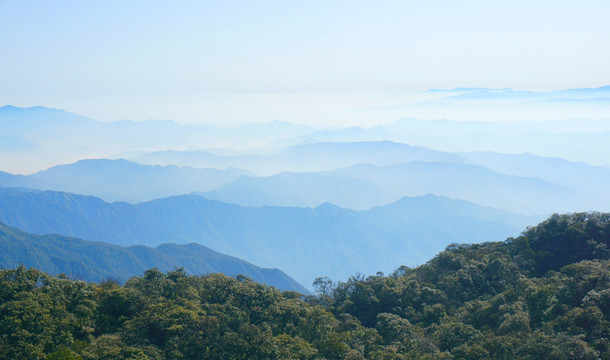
309	201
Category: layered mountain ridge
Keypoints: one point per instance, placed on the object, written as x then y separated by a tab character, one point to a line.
333	240
98	261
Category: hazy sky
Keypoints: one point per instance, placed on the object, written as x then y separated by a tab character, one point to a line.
190	60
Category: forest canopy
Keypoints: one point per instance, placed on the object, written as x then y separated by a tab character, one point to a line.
543	294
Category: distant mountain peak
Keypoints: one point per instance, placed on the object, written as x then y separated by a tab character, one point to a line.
36	108
327	207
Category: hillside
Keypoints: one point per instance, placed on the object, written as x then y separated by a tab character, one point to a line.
496	300
98	261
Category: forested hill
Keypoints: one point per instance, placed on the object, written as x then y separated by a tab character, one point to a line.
542	295
97	261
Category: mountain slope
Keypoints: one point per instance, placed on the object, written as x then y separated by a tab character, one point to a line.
97	261
303	242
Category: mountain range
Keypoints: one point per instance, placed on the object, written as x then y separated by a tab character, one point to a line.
301	190
524	184
527	195
316	156
121	180
579	176
305	243
36	138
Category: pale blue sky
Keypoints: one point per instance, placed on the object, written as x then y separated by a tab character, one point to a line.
157	59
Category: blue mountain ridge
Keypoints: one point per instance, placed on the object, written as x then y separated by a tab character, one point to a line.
304	242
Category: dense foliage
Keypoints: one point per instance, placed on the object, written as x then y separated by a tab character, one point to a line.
544	294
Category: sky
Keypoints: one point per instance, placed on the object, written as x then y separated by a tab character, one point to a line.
225	62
